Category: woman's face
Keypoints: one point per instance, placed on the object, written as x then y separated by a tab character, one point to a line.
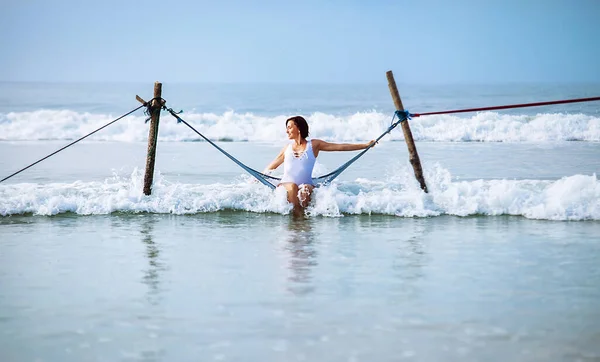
292	130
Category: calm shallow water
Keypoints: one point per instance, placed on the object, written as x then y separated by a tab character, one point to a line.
247	286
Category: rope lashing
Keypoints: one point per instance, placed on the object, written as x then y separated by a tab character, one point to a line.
72	143
403	115
151	108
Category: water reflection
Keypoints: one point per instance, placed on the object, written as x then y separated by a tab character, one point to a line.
152	350
410	260
299	243
152	274
412	256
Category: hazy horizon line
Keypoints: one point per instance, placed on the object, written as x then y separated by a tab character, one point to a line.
483	83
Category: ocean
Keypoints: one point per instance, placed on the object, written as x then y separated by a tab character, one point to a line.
499	261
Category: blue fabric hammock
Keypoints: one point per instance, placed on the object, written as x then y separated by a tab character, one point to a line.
317	181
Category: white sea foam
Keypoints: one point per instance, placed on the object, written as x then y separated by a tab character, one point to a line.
575	197
232	126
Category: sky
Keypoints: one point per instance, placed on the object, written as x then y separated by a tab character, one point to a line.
311	41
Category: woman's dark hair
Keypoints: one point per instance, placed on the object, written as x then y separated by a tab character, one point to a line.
301	124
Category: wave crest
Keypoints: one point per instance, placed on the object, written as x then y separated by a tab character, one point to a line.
575	197
237	127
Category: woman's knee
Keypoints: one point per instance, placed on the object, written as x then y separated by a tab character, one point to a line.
304	194
289	187
304	189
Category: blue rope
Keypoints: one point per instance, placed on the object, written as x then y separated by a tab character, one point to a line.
326	179
259	176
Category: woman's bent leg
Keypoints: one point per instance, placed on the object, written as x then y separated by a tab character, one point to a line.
298	196
292	193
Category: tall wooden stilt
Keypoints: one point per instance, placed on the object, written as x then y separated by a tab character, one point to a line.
410	143
152	138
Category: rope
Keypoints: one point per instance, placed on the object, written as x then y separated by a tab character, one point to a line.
258	175
72	143
326	179
522	105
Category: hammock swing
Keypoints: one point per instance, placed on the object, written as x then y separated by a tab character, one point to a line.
317	181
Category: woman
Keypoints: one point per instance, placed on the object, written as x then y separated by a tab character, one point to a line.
298	160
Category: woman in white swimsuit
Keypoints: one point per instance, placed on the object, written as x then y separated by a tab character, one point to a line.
298	160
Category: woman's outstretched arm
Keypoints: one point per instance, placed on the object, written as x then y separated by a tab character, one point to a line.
320	145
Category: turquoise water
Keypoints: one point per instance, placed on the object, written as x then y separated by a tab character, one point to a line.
498	262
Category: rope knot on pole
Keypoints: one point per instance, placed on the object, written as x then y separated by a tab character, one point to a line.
403	115
152	107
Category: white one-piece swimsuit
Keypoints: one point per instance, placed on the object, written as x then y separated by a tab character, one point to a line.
298	169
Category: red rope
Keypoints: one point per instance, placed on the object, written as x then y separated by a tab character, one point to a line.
509	106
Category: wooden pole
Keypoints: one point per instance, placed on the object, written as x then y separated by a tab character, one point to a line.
152	137
410	143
